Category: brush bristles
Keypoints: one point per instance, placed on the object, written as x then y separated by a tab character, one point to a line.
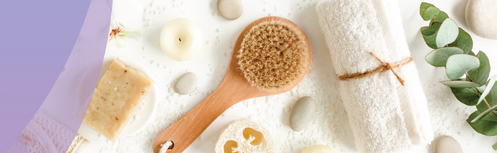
272	55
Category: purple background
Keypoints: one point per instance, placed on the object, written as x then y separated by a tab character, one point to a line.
38	37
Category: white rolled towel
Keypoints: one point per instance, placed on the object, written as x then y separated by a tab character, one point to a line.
387	110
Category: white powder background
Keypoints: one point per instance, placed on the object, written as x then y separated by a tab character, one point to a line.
330	126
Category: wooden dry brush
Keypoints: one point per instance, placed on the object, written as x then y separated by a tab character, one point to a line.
468	72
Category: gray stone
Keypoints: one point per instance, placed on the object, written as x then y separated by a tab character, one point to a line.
481	17
230	9
186	84
446	144
302	113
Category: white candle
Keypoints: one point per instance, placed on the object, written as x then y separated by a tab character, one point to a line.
181	39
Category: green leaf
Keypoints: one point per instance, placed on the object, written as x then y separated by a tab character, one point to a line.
463	41
440	18
430	34
483	114
467	96
485	127
489	87
494	146
427	31
460	64
491	99
491	117
430	41
438	57
460	84
423	7
491	102
471	53
430	12
481	88
480	75
482	106
447	33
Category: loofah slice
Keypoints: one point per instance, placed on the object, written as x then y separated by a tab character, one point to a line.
273	54
245	136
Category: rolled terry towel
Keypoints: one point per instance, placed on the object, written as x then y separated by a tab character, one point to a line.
379	85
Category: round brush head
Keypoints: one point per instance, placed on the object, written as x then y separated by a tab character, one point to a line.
273	54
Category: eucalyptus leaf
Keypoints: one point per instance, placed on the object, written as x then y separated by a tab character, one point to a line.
447	33
440	18
431	41
483	105
492	96
491	99
430	34
490	117
480	75
494	146
481	88
427	31
430	13
486	112
460	64
472	53
467	96
490	85
423	7
484	127
460	84
463	41
438	57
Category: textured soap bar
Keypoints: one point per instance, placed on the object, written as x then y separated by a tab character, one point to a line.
116	97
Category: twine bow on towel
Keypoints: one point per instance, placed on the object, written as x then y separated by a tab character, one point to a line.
383	67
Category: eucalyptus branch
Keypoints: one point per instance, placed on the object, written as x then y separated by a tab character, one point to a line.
453	51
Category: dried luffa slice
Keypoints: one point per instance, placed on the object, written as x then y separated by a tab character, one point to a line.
245	136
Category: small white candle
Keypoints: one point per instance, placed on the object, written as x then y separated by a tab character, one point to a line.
181	39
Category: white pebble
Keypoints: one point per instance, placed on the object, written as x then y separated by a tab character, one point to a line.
302	113
186	84
446	144
230	9
480	17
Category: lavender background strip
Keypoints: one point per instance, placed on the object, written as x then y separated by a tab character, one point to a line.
38	38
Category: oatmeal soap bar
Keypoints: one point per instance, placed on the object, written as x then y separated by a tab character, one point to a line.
116	97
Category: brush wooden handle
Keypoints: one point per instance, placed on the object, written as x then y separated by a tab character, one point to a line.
190	126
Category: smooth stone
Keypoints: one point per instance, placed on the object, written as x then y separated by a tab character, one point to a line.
481	17
318	149
186	84
446	144
230	9
302	113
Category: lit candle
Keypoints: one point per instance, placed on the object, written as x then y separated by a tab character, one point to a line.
181	39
